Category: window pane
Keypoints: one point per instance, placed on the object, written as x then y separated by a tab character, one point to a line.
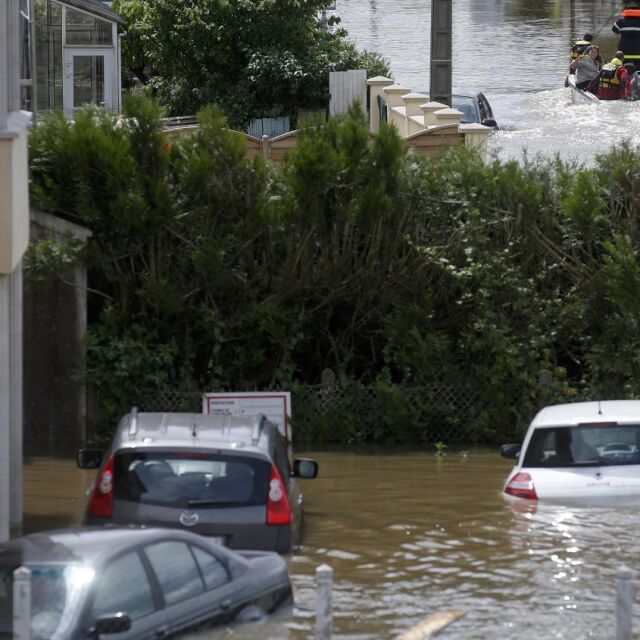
48	35
26	69
213	571
176	570
49	596
88	80
584	445
467	105
124	587
174	478
83	29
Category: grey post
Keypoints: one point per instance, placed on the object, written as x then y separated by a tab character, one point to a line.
441	51
22	604
624	604
324	584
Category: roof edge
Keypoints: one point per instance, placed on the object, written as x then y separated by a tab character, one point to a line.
96	8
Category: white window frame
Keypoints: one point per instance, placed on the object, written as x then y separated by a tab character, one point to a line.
67	85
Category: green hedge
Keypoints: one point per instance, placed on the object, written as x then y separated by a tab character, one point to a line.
209	271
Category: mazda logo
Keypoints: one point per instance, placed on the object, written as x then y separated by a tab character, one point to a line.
189	518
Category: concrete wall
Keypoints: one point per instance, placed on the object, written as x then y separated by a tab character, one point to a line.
55	323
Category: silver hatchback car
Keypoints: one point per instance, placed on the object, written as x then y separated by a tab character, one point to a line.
225	477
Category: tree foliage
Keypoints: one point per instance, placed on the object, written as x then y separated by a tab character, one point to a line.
356	255
253	58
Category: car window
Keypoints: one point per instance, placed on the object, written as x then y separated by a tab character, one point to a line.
467	105
123	587
51	591
176	570
212	570
581	445
177	478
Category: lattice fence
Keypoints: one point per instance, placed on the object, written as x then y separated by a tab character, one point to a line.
373	413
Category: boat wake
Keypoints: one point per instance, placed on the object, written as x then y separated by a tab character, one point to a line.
547	124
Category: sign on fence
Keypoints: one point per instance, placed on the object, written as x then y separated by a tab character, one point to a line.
276	405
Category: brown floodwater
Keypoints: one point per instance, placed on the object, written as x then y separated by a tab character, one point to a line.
409	534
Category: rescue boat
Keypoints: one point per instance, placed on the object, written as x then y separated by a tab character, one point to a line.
578	96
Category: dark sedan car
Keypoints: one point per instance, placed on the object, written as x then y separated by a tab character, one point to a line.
135	583
475	107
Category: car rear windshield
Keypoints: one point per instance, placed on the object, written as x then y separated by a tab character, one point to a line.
584	445
183	479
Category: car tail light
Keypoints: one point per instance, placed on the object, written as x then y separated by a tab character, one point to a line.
278	508
521	486
101	500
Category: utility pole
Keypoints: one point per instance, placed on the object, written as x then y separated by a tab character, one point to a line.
441	39
16	57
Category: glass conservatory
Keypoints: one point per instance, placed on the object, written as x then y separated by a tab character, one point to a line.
77	55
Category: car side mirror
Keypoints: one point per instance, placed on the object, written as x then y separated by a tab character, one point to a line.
511	451
89	458
112	623
489	122
305	468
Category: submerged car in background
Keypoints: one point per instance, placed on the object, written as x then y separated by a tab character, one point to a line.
137	583
585	452
475	107
222	476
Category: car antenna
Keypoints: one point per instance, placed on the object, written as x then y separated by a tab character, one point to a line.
599	408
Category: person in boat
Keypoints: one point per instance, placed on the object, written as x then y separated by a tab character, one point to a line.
579	47
628	28
587	69
577	50
613	79
634	83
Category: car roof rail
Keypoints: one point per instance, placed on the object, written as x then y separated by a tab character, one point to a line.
133	421
260	419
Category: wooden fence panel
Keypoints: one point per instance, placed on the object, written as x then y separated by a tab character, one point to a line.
281	145
433	143
254	146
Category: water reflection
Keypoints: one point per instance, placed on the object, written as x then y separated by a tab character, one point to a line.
408	534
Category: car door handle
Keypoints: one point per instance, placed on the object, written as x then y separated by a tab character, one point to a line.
225	604
162	632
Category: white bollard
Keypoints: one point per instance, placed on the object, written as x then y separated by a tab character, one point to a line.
324	616
624	604
22	604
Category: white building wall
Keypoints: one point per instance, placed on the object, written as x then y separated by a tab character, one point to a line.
14	225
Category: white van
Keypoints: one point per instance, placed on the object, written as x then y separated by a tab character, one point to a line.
585	452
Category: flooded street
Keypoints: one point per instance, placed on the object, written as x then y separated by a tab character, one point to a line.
409	534
517	53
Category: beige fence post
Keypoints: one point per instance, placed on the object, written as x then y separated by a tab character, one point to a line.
413	103
428	109
448	116
395	106
476	136
376	88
